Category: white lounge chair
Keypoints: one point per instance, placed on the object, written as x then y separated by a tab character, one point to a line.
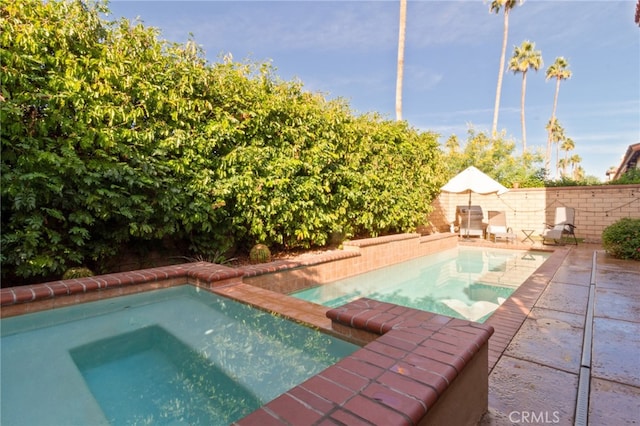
563	225
497	227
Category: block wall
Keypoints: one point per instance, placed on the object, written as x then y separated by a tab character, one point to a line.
531	208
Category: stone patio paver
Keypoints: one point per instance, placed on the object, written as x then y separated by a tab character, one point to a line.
614	403
617	303
574	274
520	388
551	338
538	371
563	297
616	351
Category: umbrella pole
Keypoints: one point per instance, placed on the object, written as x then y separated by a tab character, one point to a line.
469	215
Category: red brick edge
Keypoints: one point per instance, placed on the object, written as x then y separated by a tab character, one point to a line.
203	272
393	380
299	262
199	270
381	240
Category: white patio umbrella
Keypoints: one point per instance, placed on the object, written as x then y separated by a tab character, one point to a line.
473	180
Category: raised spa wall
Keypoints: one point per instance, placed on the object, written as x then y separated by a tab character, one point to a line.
415	367
356	257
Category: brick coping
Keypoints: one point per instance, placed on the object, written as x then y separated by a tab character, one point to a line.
395	379
198	273
201	273
188	272
381	240
299	262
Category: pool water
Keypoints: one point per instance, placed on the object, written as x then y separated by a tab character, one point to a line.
464	282
173	356
167	379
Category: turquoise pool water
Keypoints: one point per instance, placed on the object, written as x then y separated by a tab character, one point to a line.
465	282
174	356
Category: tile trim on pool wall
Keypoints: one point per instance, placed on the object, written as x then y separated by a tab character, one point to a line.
402	377
37	297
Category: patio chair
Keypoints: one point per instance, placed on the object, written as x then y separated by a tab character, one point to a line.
497	227
563	225
469	220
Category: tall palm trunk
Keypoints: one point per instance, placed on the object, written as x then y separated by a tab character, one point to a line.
400	75
503	54
557	159
524	57
547	158
522	120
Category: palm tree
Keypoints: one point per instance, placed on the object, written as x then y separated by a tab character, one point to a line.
567	145
496	5
559	71
556	135
577	171
524	57
400	76
563	164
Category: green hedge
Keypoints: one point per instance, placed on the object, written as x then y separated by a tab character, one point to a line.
113	138
622	239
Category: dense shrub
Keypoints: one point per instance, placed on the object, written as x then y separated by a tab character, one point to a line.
622	239
631	176
113	138
568	181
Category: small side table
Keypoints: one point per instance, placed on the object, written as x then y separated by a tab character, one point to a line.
527	235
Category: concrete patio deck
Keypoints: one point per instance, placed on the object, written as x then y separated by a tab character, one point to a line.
576	357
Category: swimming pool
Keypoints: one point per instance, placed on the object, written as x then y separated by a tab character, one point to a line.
464	282
174	356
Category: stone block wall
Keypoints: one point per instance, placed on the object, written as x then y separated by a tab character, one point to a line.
531	208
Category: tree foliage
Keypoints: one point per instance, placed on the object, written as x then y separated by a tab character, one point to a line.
631	176
112	137
493	156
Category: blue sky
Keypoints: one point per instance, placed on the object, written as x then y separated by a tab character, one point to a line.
348	49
